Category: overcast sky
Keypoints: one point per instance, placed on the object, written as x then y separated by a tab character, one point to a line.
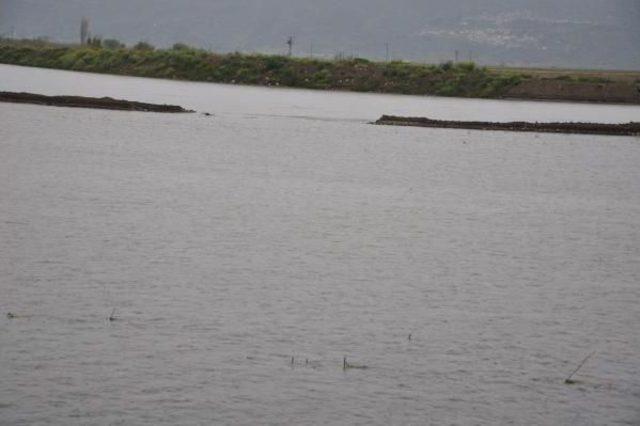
563	33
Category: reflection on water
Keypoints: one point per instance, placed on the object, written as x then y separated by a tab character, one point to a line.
230	244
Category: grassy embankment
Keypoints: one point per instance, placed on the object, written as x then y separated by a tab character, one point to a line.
184	63
360	75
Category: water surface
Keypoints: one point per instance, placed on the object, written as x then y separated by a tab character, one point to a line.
285	226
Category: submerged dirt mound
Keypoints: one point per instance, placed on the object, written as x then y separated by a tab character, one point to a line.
86	102
627	129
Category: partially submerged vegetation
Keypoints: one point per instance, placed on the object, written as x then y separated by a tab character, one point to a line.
87	102
626	129
353	74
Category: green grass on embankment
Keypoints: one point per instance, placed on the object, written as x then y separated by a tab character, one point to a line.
185	63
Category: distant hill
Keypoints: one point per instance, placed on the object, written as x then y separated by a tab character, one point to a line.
545	33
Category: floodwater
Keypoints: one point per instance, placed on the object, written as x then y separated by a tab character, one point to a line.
472	272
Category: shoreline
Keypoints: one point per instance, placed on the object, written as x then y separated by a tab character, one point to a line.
465	80
89	102
338	90
603	129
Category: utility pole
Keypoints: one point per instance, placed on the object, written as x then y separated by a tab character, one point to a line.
386	55
290	44
84	31
456	56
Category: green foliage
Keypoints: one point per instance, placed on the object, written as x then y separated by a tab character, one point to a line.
143	45
94	42
446	66
275	63
186	63
112	43
466	66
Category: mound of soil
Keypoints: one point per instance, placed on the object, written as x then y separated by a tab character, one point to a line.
87	102
627	129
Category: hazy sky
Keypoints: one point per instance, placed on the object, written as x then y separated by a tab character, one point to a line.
579	33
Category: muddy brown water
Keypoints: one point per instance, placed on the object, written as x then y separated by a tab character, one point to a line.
286	226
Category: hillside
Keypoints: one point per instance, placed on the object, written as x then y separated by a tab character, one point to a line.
566	33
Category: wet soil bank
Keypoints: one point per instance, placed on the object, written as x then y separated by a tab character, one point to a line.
558	89
627	129
87	102
462	79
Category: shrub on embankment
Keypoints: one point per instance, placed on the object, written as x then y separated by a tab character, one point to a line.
184	63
